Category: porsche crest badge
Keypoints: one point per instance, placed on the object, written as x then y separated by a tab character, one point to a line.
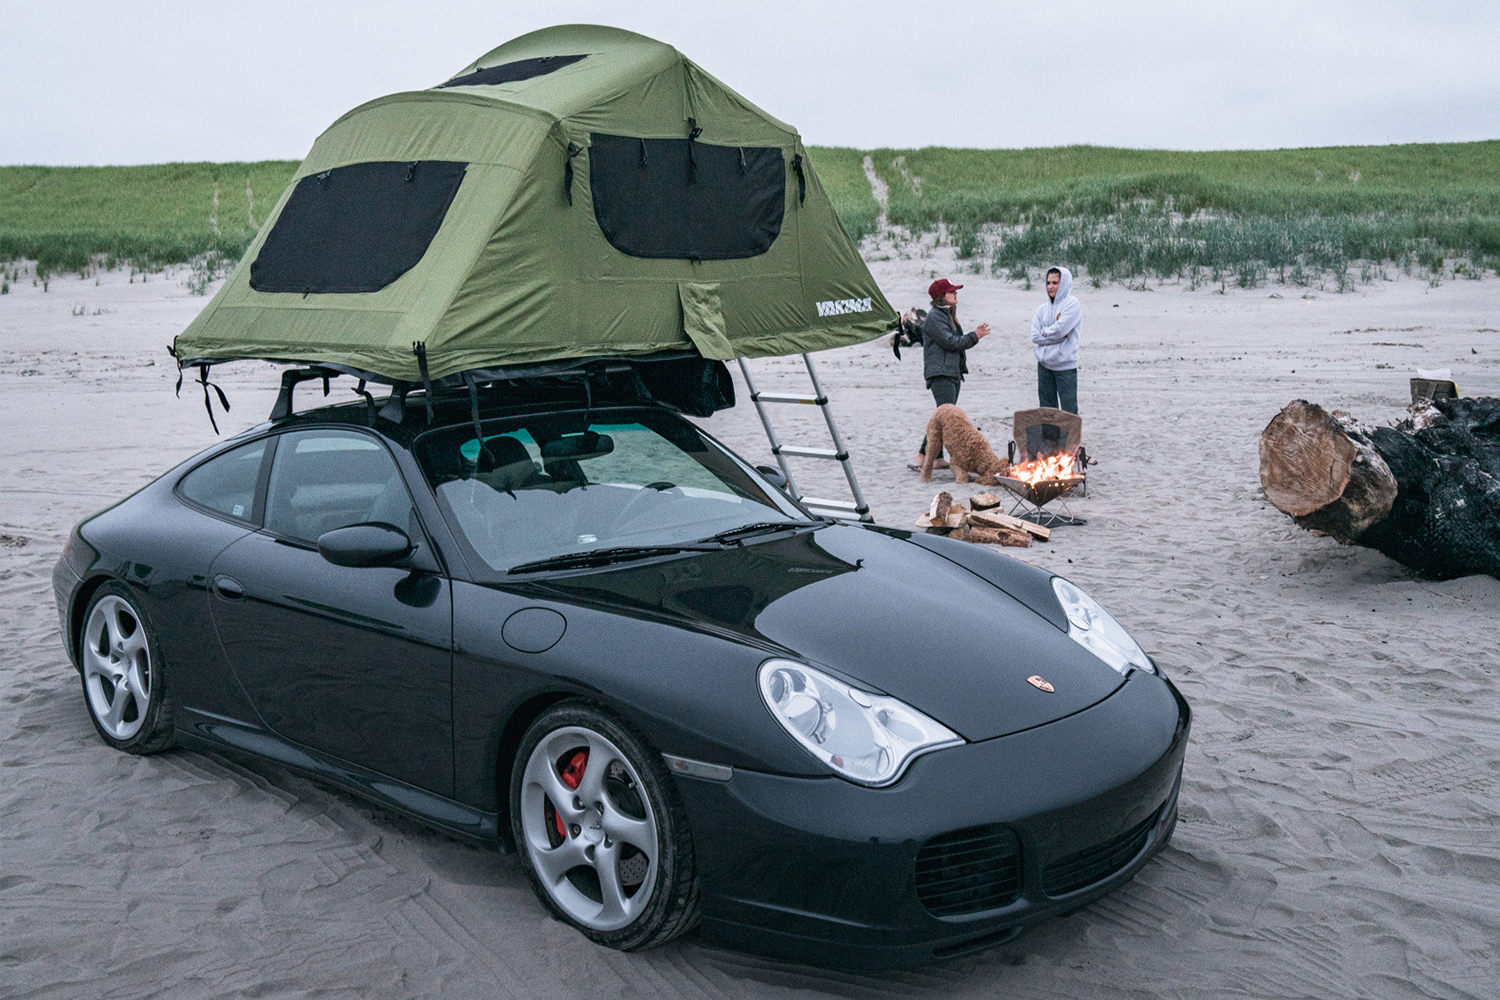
1036	681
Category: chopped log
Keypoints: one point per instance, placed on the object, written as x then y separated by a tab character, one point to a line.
1000	536
984	501
940	514
1015	539
991	536
1425	492
995	519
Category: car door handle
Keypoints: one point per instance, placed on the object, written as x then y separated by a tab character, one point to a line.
228	588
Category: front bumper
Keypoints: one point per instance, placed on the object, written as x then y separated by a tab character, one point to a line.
64	585
824	871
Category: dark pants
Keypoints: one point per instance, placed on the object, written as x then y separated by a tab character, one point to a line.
944	390
1053	386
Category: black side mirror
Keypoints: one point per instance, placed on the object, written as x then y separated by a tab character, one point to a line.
774	475
373	544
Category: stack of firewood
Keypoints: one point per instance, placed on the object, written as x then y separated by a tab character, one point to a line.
980	521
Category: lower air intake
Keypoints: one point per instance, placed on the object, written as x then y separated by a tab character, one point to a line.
1072	872
969	871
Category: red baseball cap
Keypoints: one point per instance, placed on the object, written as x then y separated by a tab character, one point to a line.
942	286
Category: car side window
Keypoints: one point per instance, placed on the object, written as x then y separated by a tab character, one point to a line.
227	483
327	479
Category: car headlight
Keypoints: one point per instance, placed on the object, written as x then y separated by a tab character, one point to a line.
1096	630
867	738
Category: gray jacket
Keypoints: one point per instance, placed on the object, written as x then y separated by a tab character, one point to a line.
943	346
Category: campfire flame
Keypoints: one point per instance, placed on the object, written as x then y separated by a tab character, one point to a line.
1046	469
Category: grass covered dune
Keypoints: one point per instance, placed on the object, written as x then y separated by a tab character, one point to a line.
1116	214
1251	215
67	218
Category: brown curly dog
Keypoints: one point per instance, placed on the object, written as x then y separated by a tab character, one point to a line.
968	451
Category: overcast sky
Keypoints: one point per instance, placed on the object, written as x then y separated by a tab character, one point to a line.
146	82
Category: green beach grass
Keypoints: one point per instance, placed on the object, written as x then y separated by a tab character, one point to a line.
1114	214
1246	215
67	218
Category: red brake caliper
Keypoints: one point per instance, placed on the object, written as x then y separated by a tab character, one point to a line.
572	775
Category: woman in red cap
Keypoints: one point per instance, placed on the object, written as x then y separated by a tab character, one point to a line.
943	345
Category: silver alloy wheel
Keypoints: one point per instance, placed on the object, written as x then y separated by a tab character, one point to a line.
608	829
117	667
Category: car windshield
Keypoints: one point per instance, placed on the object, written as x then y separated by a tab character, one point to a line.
574	484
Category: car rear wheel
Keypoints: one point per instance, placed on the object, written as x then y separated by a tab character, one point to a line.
601	831
122	677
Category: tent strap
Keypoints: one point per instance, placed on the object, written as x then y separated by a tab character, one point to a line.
207	400
369	402
484	448
420	350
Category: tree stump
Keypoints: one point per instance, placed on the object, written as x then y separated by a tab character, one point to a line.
1425	492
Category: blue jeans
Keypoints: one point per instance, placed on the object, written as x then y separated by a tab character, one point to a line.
1053	386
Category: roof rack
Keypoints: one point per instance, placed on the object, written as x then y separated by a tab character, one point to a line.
680	380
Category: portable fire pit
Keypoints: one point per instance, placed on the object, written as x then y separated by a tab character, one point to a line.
1036	484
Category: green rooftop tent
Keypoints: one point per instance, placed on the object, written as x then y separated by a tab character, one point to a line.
579	192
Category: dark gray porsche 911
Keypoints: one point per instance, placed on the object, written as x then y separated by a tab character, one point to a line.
589	632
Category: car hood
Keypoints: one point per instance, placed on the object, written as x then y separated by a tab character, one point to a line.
882	611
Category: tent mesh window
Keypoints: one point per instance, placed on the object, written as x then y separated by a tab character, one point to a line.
356	228
676	198
511	72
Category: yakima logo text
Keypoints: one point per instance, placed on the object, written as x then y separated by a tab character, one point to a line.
838	307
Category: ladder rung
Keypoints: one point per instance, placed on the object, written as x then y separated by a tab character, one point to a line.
786	397
786	449
841	507
831	504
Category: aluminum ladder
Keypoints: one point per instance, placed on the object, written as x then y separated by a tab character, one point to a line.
857	509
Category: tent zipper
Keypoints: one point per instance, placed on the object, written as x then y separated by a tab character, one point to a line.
573	150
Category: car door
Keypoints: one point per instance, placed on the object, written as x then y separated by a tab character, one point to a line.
353	661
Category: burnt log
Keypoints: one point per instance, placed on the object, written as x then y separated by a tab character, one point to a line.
1425	492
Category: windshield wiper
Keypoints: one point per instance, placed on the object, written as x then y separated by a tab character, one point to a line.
603	557
758	528
625	553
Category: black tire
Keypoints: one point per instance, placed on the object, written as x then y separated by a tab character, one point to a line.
119	660
671	907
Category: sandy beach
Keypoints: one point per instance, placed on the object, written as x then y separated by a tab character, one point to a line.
1340	832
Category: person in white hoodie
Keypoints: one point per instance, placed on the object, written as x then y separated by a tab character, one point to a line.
1056	330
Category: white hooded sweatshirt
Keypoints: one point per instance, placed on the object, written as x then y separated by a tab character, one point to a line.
1057	328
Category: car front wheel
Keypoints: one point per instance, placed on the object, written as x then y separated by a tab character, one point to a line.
600	829
122	674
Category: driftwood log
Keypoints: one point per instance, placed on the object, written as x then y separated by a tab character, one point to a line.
1425	492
